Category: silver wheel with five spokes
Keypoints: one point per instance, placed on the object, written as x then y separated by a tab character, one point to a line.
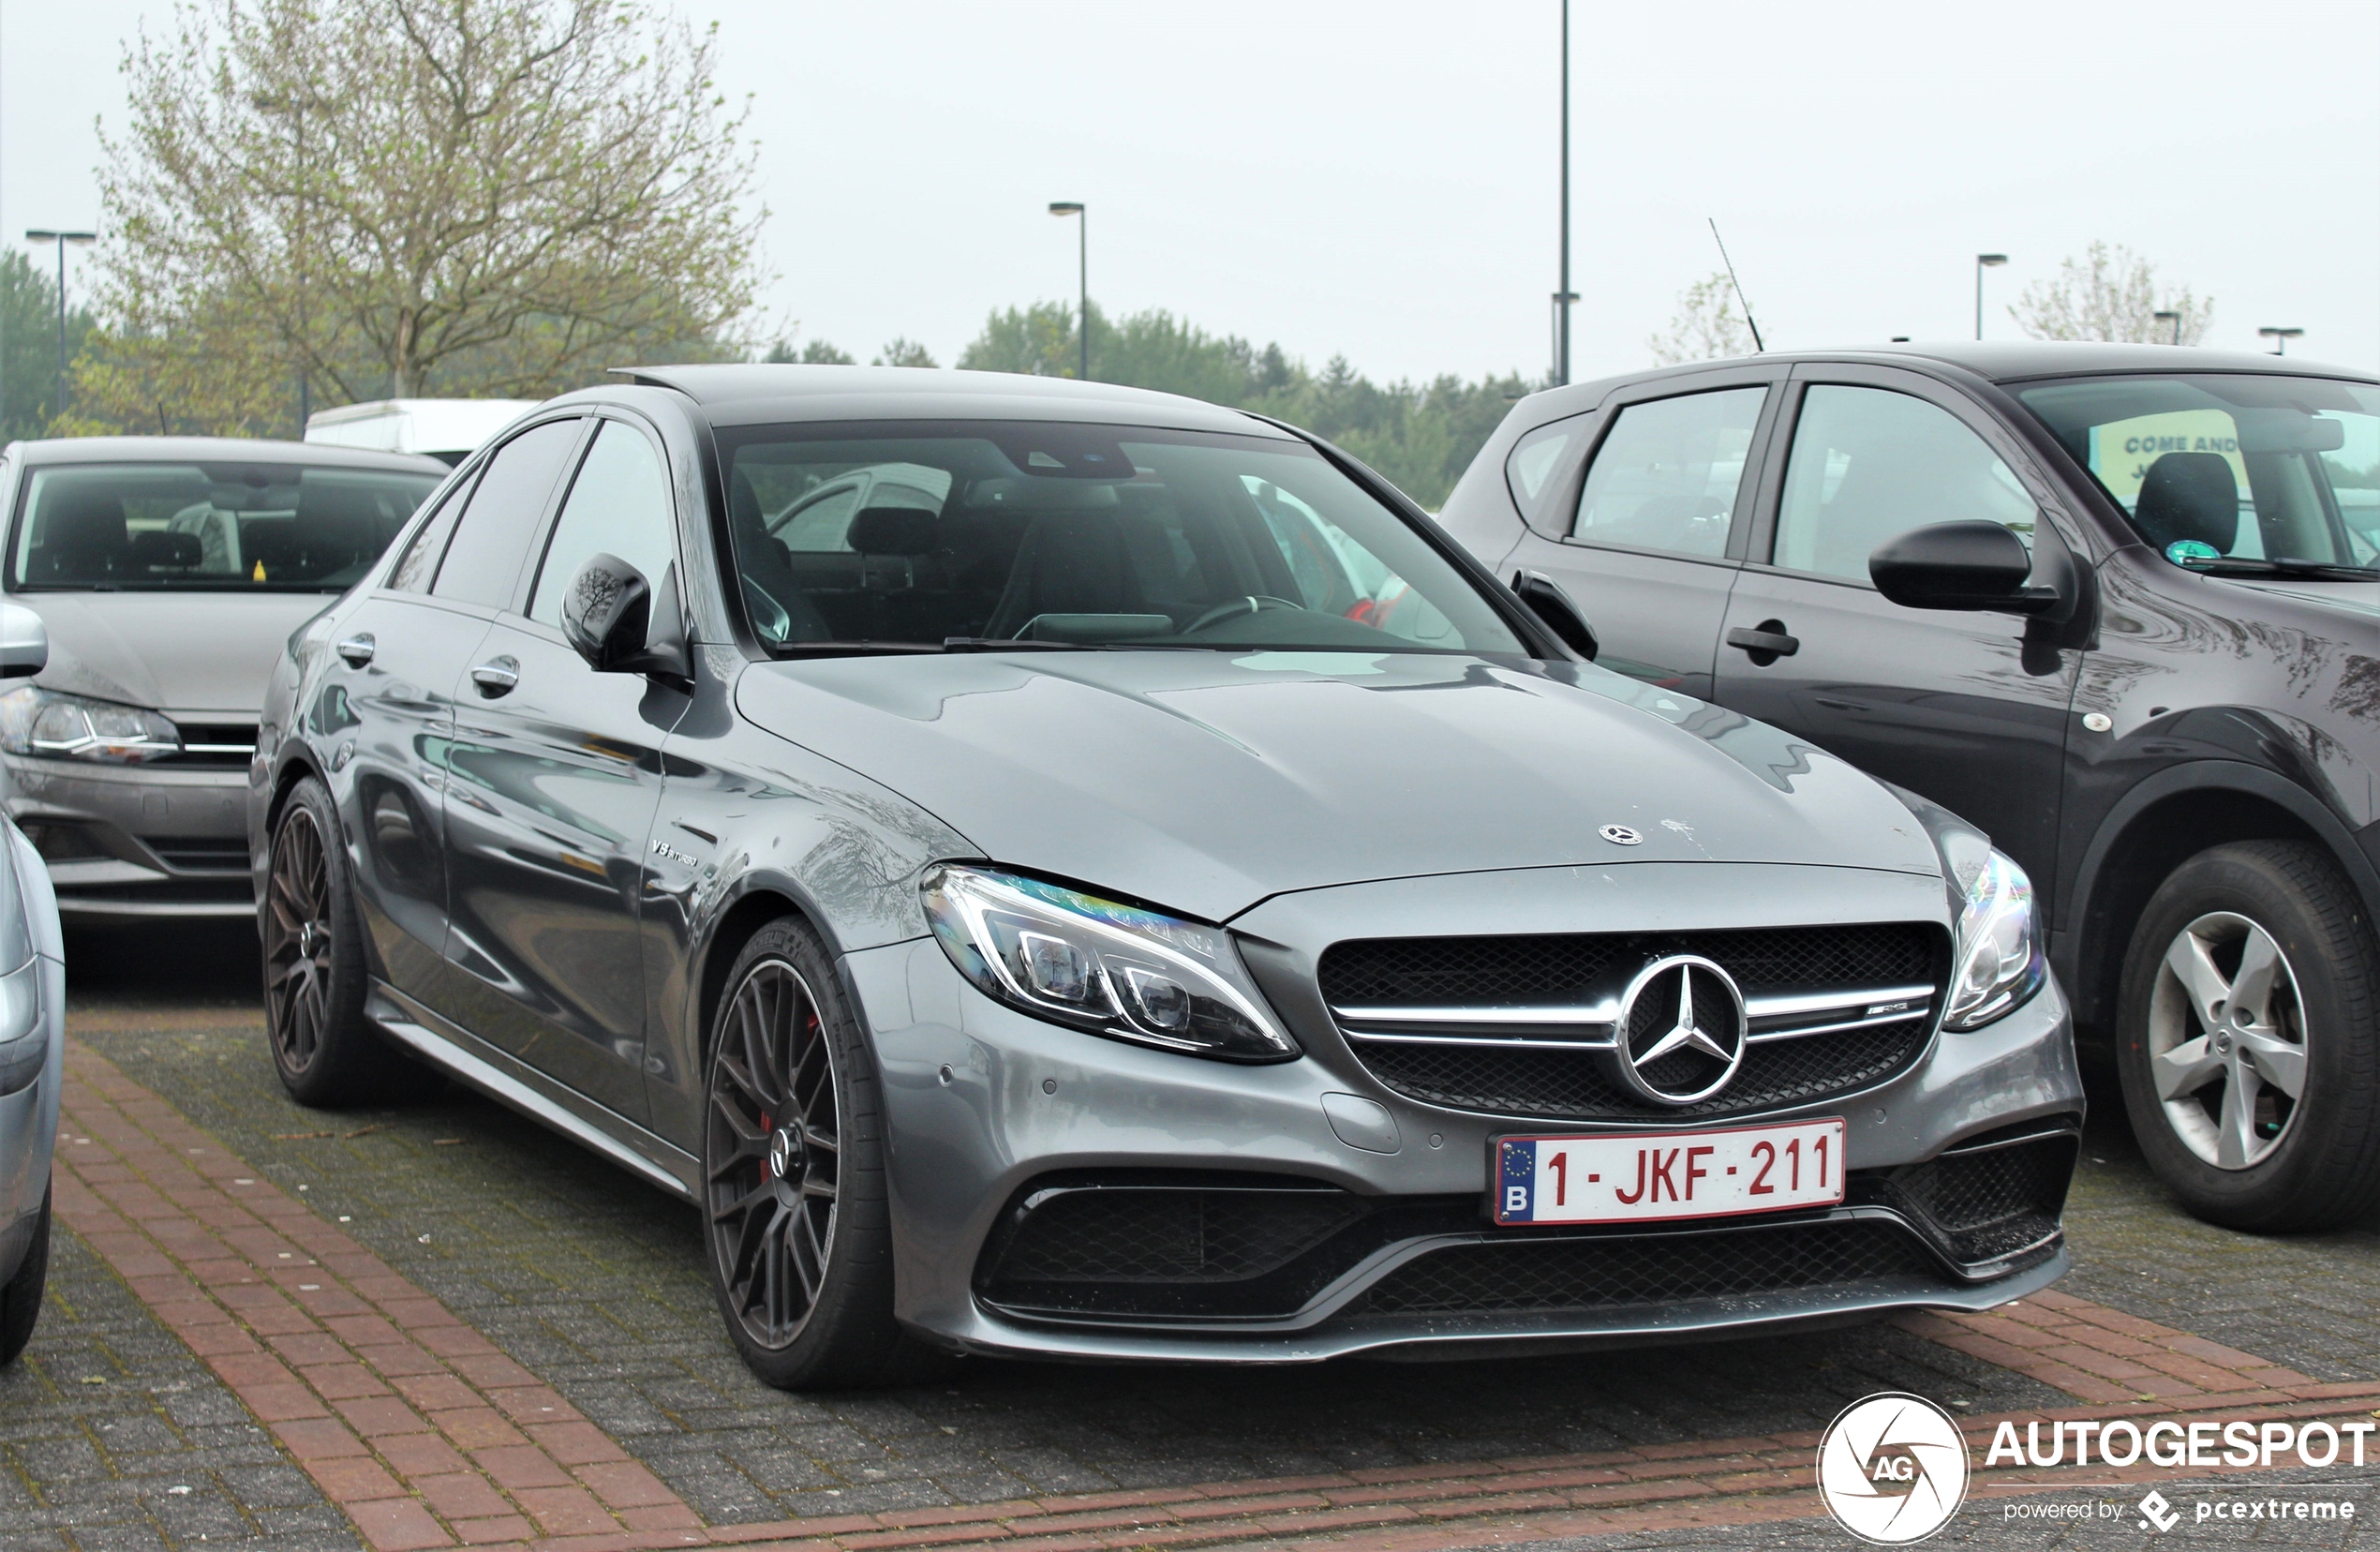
2227	1040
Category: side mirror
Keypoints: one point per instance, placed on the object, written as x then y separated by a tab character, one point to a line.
1547	600
24	642
610	618
1968	565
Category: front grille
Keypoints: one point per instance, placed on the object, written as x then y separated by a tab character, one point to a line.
220	744
200	853
1506	970
1563	1276
1447	1059
1571	1083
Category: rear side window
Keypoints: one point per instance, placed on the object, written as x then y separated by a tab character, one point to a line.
420	563
618	505
1667	475
482	565
1533	471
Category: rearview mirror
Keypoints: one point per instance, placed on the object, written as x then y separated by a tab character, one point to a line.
610	618
1966	565
1547	600
24	642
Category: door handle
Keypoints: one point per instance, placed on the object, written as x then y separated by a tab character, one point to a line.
357	649
1765	640
496	676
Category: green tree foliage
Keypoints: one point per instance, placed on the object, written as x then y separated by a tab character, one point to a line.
1420	436
1708	325
2111	294
29	346
904	351
401	197
815	352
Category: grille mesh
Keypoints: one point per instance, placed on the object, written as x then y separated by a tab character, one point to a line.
1172	1236
1993	1203
1572	1084
1590	1274
1570	968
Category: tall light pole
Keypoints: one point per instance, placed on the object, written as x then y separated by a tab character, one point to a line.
79	239
2280	339
1564	296
1983	262
2173	322
1075	209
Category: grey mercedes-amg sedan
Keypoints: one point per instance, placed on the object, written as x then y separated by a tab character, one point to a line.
1060	870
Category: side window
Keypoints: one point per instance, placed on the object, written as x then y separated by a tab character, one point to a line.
1667	471
817	527
1535	466
483	563
1868	465
618	505
412	573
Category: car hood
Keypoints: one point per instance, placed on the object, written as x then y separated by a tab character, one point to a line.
1206	783
2360	601
184	652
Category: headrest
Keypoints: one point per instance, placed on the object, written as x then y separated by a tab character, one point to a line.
2189	495
166	550
892	530
85	517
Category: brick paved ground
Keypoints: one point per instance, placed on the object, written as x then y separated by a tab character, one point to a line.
592	1284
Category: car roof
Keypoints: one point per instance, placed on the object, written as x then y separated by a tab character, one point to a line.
748	395
92	450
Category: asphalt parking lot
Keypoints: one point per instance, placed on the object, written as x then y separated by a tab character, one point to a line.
114	1433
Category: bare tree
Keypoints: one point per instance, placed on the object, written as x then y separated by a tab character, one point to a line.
1709	325
496	197
2111	294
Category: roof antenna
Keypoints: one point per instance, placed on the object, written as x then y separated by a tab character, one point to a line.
1738	285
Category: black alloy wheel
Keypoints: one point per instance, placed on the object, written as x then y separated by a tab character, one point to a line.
315	979
795	1207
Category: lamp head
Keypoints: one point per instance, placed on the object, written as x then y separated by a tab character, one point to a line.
1991	261
1066	207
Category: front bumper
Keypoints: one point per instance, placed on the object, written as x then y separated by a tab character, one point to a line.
135	843
986	1106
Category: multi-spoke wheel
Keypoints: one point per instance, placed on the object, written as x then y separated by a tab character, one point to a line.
772	1152
794	1196
324	1049
2247	1042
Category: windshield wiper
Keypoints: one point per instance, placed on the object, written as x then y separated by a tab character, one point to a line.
1013	644
2283	566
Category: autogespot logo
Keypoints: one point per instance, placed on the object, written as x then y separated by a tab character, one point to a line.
1892	1469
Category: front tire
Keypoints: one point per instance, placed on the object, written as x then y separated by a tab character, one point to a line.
2247	1042
20	1299
325	1050
795	1213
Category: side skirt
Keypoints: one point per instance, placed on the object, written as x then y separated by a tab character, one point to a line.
457	1052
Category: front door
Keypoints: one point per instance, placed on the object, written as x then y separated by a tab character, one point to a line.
1966	709
555	779
1648	548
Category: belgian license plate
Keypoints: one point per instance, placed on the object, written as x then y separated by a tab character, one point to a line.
1645	1177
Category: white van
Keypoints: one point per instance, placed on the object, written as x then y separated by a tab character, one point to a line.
449	430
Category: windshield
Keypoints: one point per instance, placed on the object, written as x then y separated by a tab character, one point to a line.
2239	472
1080	536
210	526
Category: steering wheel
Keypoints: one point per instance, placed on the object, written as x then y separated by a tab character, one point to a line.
1251	605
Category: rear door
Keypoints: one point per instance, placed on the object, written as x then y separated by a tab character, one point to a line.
557	776
1968	708
1646	533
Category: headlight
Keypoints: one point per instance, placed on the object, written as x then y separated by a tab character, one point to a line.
34	721
1996	954
24	1044
1100	966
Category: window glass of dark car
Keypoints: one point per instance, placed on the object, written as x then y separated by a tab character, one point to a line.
1666	475
2217	466
1088	536
209	526
483	562
618	505
1868	464
419	563
1533	470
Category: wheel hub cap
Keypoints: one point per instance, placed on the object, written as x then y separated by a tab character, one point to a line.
784	1154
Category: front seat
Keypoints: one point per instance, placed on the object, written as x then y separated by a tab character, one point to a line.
1069	563
2189	495
85	540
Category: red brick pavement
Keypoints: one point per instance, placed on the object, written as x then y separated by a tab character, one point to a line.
426	1437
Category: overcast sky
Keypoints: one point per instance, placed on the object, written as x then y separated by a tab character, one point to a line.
1377	179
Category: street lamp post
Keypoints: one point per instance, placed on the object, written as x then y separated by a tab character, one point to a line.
1075	208
2173	323
79	239
1983	262
1564	296
2280	339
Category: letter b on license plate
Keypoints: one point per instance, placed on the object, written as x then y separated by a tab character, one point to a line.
1650	1176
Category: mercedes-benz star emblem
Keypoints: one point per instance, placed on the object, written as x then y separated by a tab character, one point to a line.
1681	1030
1619	835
